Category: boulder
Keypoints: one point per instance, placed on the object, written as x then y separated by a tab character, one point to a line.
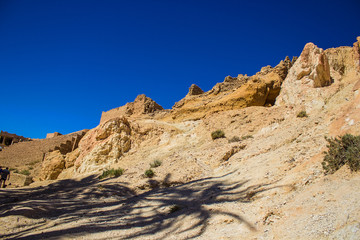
18	180
71	157
104	145
53	164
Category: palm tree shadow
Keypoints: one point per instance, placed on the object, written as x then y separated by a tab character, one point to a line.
102	206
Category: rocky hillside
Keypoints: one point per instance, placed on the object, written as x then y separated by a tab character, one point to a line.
262	180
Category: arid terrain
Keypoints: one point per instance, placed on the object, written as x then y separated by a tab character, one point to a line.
263	180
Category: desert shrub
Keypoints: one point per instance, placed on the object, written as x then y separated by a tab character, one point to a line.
149	173
234	139
25	172
155	164
246	137
342	150
302	114
13	170
112	173
217	134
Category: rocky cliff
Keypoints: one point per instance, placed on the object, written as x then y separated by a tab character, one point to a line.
262	180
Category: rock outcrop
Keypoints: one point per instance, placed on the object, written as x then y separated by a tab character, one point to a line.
104	145
306	84
195	90
141	105
52	166
19	180
234	93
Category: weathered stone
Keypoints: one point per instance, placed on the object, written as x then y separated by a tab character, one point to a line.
234	93
356	49
117	125
104	145
314	63
321	75
314	70
19	180
195	90
53	164
141	105
71	157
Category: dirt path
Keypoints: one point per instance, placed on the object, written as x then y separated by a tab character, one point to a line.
94	209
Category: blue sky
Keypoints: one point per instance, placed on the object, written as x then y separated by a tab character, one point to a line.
64	62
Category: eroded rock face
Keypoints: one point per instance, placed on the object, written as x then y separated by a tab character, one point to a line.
195	90
313	63
52	166
141	105
314	70
104	145
234	93
71	157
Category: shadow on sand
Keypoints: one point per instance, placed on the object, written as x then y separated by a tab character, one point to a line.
70	208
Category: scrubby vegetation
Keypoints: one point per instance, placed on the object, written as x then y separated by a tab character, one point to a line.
302	114
246	137
112	173
234	139
217	134
13	170
149	173
25	172
155	164
342	150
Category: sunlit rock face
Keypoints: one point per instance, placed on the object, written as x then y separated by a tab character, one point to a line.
315	70
104	145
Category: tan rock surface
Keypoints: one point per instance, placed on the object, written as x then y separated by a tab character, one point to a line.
53	164
234	93
104	145
18	180
141	105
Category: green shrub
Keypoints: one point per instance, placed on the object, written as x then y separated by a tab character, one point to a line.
13	170
149	173
112	173
234	139
342	150
25	172
155	164
302	114
217	134
246	137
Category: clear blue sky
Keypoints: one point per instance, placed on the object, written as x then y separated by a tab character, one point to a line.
63	62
